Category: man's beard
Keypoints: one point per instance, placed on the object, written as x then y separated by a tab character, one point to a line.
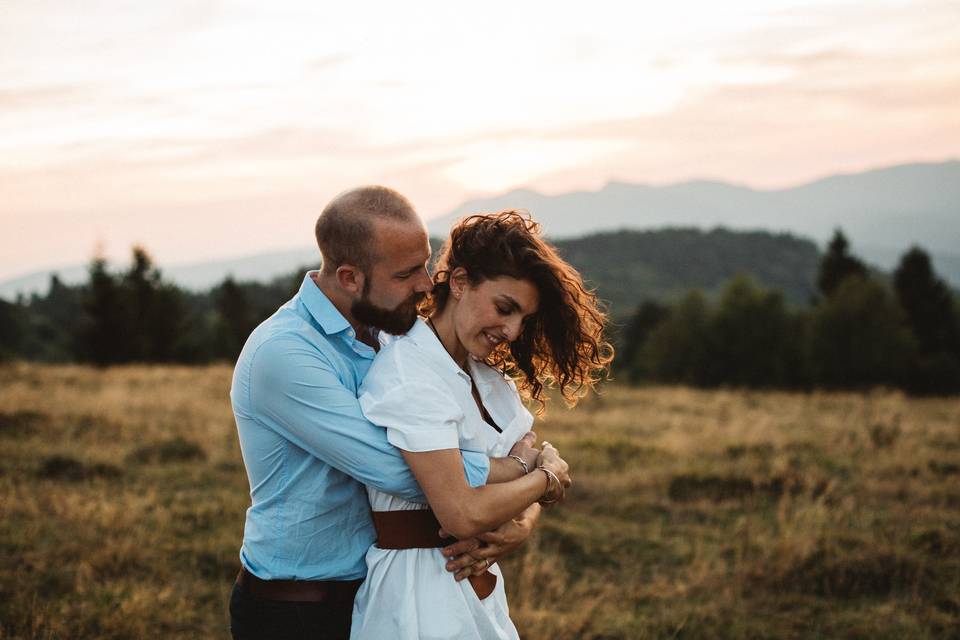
395	321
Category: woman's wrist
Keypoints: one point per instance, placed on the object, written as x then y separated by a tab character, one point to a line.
554	490
522	463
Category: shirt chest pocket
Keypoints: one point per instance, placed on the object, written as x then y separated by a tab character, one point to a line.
471	432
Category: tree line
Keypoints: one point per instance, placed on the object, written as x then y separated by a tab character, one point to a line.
137	316
859	331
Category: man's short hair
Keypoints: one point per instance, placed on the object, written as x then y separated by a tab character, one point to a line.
345	228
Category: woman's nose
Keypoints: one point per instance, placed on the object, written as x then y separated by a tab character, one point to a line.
513	328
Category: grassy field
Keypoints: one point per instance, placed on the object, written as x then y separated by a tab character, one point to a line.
723	514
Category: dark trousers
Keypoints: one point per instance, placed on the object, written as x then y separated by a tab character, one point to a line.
253	618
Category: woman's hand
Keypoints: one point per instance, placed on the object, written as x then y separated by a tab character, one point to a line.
550	460
525	449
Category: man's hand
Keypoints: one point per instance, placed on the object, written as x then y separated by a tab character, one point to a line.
474	555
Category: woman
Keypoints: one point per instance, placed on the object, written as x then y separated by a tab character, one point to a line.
504	304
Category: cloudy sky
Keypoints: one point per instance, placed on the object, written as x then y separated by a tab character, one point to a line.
211	129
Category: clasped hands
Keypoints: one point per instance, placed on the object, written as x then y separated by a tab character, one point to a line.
473	556
548	459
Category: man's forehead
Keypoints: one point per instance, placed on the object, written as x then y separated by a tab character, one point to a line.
390	226
401	241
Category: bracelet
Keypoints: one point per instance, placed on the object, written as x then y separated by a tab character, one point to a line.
552	481
523	463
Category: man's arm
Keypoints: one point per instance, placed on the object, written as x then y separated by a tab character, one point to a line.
296	391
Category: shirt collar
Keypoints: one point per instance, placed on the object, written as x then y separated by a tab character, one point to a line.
320	307
483	374
426	339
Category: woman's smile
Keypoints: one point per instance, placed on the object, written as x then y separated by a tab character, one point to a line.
491	339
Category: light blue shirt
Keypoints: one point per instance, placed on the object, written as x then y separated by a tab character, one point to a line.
308	449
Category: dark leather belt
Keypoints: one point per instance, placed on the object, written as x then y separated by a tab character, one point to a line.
332	591
416	529
420	529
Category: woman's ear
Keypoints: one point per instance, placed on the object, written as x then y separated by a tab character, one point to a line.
458	282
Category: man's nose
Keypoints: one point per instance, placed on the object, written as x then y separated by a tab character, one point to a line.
424	282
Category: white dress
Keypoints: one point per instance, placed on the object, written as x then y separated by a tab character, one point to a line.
418	393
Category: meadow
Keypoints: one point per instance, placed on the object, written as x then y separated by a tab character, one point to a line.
695	514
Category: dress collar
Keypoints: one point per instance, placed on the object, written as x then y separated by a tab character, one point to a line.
426	339
483	375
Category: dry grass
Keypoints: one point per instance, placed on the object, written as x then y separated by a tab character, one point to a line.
726	514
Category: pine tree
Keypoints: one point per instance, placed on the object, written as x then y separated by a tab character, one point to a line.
236	318
929	311
56	322
140	285
858	339
645	319
13	330
677	350
927	303
837	265
103	330
157	311
751	341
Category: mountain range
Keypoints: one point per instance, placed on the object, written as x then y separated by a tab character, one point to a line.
883	212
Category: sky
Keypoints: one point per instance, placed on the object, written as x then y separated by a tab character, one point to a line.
206	129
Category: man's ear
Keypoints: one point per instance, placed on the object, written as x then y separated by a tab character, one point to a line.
350	279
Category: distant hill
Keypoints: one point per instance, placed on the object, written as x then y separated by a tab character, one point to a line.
628	266
882	212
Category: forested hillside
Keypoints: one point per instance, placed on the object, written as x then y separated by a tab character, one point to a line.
628	267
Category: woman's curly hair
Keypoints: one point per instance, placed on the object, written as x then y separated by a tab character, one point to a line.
563	343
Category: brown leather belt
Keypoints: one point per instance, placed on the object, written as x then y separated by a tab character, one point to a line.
419	529
339	592
415	529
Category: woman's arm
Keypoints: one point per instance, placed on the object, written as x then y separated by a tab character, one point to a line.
465	511
509	468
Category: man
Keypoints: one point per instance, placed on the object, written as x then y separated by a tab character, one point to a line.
307	448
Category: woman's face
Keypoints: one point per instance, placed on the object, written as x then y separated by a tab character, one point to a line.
492	312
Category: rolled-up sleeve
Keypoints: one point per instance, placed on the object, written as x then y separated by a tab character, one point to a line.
431	427
296	391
